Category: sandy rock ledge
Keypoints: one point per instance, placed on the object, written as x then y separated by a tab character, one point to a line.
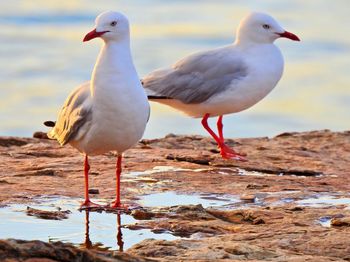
281	197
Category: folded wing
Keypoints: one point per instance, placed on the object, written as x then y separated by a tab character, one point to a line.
197	77
75	113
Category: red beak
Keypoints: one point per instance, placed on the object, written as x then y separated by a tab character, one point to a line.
289	35
93	34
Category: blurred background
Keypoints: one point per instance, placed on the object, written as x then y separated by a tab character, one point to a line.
42	58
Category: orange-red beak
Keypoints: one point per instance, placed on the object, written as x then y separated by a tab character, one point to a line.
289	35
93	34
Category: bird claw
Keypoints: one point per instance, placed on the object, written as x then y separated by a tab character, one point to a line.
87	204
233	157
118	206
228	153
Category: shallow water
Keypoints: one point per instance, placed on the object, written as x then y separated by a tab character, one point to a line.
160	169
324	201
43	59
101	230
98	230
174	199
325	221
90	229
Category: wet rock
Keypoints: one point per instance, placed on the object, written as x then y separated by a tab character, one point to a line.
282	171
341	222
141	214
252	216
286	134
143	146
184	221
247	197
251	252
43	172
196	160
135	226
12	141
258	221
211	249
94	191
157	248
146	180
3	181
256	186
293	167
44	214
40	135
295	208
190	212
21	250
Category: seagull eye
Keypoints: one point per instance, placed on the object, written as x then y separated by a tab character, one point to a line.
266	26
114	23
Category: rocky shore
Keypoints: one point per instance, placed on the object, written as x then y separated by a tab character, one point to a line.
291	199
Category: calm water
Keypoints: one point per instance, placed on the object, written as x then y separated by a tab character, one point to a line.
43	59
87	229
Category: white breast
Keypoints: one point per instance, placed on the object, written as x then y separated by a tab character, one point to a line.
120	108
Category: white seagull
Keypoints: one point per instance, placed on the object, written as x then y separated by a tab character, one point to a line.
224	80
110	112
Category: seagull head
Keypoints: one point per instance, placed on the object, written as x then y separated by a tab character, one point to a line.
110	26
261	28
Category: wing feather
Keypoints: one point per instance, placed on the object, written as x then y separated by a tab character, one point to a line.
75	112
197	77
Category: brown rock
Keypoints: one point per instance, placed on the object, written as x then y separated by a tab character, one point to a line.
340	222
249	198
21	250
94	191
284	170
40	135
44	214
256	186
201	160
251	252
13	141
142	214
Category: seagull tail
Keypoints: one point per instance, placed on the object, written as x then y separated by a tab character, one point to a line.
51	133
50	123
151	97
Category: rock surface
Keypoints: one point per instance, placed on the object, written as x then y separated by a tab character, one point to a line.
289	184
12	250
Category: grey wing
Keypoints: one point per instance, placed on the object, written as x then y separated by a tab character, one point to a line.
75	112
197	77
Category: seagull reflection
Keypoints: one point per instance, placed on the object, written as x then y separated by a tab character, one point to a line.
88	243
120	241
98	245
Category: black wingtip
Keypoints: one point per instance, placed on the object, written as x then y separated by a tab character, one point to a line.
50	123
159	97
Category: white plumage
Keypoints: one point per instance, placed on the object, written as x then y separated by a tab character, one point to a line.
224	80
110	112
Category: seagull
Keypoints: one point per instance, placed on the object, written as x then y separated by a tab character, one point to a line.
224	80
110	112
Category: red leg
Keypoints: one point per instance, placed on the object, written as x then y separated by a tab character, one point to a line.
117	204
210	131
87	203
225	151
220	129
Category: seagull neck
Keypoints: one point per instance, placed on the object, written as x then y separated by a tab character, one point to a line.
114	59
245	45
